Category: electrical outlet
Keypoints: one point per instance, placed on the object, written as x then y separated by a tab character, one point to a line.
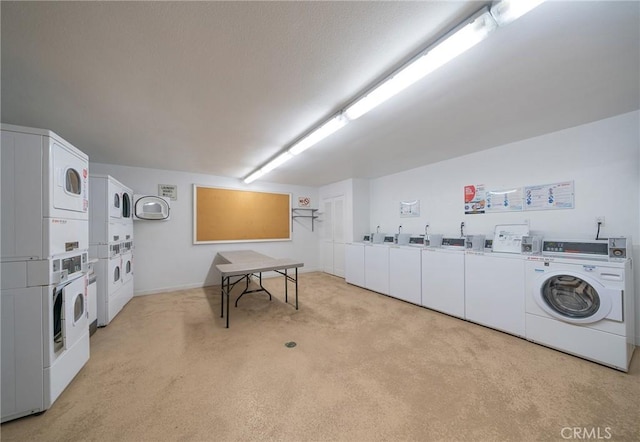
600	219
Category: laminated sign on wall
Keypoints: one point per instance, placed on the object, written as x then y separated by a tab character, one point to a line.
537	197
549	196
474	199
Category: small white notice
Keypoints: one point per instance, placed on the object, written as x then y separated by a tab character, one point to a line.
507	238
169	191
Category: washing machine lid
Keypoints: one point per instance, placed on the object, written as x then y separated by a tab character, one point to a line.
577	298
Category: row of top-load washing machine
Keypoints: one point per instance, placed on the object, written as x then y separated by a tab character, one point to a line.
45	240
575	296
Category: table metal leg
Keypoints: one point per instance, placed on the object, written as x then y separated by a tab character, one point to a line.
286	286
228	290
296	288
222	296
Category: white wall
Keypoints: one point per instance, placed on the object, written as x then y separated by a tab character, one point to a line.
165	257
602	158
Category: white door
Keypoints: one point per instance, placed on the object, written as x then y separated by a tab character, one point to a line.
75	317
333	236
127	267
115	273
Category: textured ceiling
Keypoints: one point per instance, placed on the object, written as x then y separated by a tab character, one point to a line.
221	87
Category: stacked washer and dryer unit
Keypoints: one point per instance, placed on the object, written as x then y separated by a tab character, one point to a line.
45	240
111	242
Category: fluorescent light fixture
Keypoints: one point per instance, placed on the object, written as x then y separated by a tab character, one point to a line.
319	134
277	161
254	176
477	28
465	38
507	11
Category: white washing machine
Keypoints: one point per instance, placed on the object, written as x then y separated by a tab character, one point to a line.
495	290
376	267
405	273
581	306
443	277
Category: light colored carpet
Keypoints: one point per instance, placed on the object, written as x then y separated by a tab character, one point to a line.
366	368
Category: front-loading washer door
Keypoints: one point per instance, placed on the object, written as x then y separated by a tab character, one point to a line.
573	297
70	175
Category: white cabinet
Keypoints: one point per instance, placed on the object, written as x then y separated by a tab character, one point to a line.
354	264
495	291
405	274
443	281
376	262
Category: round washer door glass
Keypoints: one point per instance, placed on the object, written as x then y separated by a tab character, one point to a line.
571	296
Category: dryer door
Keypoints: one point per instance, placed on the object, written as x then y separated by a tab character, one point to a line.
574	297
70	175
127	203
75	318
115	200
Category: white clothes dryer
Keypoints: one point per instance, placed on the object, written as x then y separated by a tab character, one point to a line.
582	306
45	183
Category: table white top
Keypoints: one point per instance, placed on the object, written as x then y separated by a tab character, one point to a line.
242	262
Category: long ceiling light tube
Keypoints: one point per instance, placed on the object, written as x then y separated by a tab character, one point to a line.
464	38
475	29
277	161
331	126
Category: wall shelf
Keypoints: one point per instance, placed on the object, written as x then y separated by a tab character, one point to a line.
309	213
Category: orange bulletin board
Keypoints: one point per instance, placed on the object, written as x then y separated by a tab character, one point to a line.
229	215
